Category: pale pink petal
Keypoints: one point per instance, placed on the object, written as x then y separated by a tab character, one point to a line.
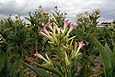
45	27
81	44
66	23
73	26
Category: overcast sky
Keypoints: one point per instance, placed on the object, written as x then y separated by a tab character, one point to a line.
71	7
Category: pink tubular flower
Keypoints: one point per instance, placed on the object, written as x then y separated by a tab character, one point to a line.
81	44
44	31
41	30
73	26
66	23
45	27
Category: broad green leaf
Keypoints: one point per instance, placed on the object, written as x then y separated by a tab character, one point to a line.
22	72
108	49
39	71
2	60
105	57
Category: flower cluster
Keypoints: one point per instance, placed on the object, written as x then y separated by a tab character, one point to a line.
60	36
54	33
61	41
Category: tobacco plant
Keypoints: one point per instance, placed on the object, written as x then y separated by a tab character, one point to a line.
100	43
65	51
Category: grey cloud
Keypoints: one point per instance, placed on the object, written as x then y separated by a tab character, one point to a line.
72	7
12	7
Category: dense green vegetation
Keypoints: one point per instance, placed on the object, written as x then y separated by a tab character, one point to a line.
25	52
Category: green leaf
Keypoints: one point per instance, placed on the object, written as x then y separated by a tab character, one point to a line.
40	72
108	49
14	67
58	67
22	72
113	60
80	34
2	60
105	57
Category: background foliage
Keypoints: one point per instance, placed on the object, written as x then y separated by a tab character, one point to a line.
20	40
